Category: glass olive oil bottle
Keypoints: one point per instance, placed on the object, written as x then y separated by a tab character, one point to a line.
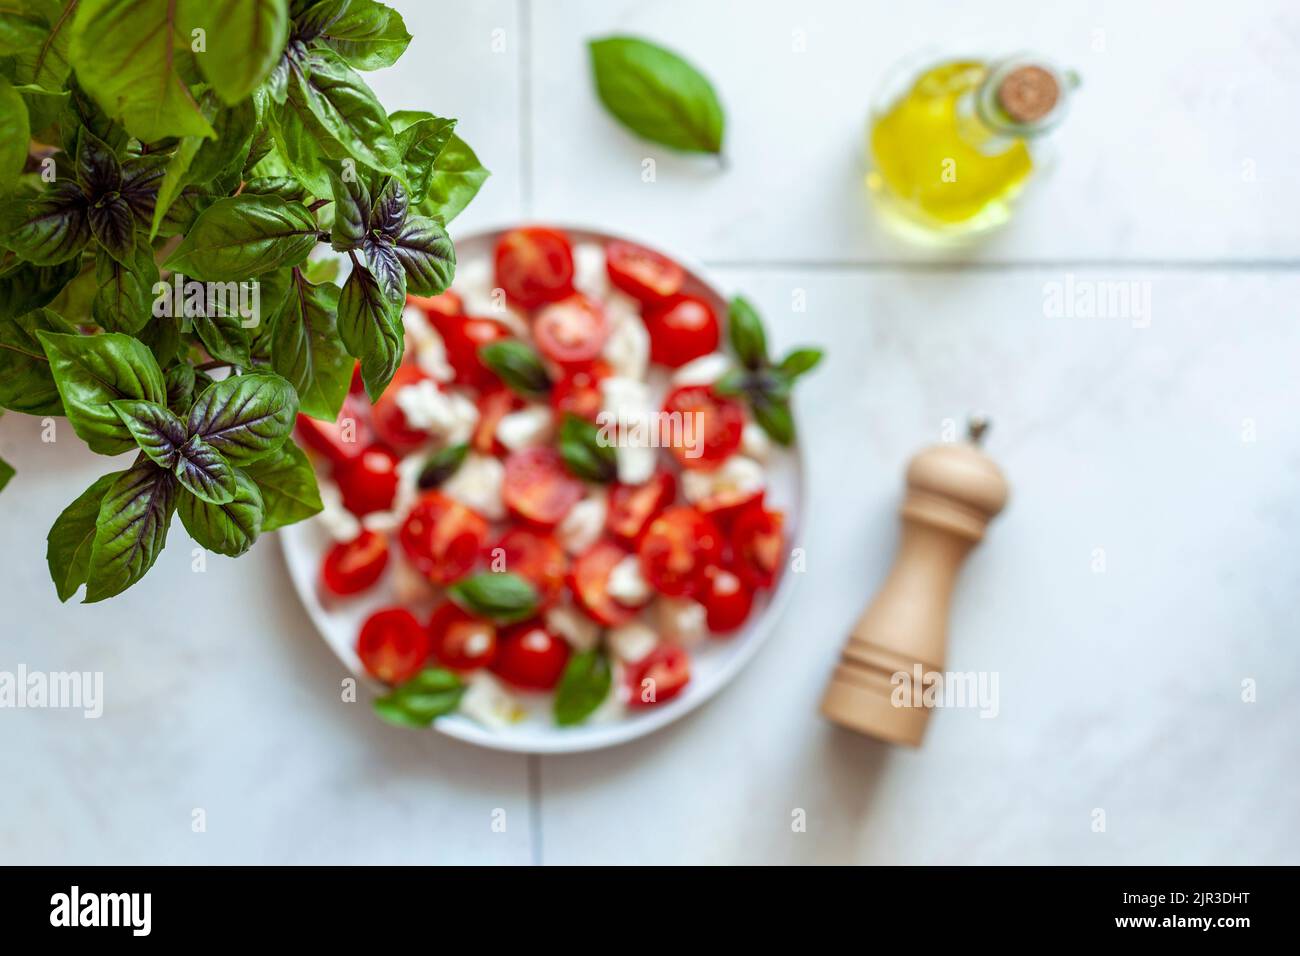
953	148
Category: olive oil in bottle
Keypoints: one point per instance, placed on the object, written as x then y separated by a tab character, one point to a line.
951	153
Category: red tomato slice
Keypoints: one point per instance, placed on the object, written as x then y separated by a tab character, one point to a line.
726	598
339	440
462	337
368	482
632	506
460	640
352	566
534	266
758	545
530	656
681	329
642	273
437	306
535	556
589	581
538	488
358	383
659	676
706	426
388	419
571	332
579	392
676	548
492	407
392	645
442	538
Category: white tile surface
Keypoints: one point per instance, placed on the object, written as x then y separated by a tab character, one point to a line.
1118	690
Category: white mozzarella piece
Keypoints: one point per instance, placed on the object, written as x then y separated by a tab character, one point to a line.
430	350
631	642
583	524
341	524
582	633
447	416
627	350
477	485
682	621
636	464
474	281
526	428
627	585
628	413
408	491
739	476
487	701
704	370
589	274
754	442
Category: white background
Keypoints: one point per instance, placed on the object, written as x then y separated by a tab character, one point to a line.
1119	690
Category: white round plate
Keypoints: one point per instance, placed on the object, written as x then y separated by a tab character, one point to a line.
713	663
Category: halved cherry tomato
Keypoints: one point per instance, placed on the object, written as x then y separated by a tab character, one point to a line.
578	392
758	545
462	337
726	598
392	645
538	488
535	556
726	501
460	640
369	481
493	406
352	566
659	676
342	439
358	383
443	538
707	426
530	656
681	329
437	306
589	581
676	548
534	266
571	332
631	507
642	273
388	419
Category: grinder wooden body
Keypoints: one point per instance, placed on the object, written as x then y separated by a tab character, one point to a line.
953	491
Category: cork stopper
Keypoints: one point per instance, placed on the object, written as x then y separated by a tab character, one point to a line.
1028	93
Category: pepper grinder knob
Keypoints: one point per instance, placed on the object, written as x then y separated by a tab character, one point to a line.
953	491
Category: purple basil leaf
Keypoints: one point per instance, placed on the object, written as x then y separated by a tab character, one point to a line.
204	472
131	529
157	431
98	170
245	417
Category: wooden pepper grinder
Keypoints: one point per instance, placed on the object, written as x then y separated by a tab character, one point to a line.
953	491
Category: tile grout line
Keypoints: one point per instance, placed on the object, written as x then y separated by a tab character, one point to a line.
886	265
535	808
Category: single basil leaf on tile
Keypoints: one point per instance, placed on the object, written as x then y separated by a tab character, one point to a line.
287	482
131	529
583	687
245	417
306	348
657	94
69	543
229	528
156	430
369	325
26	379
91	371
242	236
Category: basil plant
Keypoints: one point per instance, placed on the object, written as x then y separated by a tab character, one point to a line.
167	170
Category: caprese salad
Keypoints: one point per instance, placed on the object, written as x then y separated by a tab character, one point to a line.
563	486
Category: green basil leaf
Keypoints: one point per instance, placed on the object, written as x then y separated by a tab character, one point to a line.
223	334
583	687
421	700
306	348
351	209
288	486
6	473
421	138
390	207
229	528
27	287
774	417
176	173
113	226
123	302
381	261
243	236
321	270
584	454
131	529
127	56
426	254
369	324
337	107
244	41
162	336
301	147
204	472
44	107
286	187
235	126
656	94
745	331
69	543
441	465
26	379
184	211
15	133
368	35
180	381
141	177
98	170
157	431
518	365
457	177
502	597
54	227
45	61
799	362
93	370
734	383
245	417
